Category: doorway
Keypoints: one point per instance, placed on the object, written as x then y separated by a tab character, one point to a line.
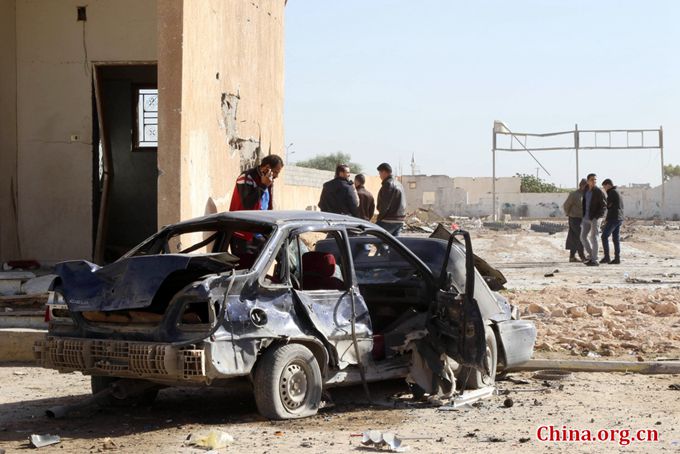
125	164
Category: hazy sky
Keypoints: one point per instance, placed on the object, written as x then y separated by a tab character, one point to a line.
382	79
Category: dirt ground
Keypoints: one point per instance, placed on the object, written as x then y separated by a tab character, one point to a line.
630	311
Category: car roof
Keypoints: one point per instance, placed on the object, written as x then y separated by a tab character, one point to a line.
271	217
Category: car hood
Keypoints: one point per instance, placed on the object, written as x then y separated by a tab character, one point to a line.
129	283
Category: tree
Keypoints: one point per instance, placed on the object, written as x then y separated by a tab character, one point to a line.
670	171
330	162
532	183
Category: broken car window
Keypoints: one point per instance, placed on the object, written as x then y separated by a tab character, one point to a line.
312	269
241	242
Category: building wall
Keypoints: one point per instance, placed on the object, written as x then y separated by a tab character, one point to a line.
9	241
446	195
478	187
230	56
54	55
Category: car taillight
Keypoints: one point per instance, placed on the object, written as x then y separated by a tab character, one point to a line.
47	314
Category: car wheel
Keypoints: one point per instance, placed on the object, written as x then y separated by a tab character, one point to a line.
100	383
477	379
287	382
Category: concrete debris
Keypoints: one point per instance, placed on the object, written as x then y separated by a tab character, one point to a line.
607	322
502	226
549	227
576	312
534	308
594	310
40	441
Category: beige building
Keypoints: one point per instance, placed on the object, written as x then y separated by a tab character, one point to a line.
85	92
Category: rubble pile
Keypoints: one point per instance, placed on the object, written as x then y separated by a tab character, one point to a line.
604	322
424	220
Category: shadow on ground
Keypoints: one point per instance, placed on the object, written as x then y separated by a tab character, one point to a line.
174	408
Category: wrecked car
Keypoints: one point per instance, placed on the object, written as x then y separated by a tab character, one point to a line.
293	302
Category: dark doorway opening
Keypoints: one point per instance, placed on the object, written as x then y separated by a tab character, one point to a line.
125	164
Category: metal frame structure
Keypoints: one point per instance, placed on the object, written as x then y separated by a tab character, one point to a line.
580	142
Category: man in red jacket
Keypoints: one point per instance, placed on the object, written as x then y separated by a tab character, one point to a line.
254	187
254	190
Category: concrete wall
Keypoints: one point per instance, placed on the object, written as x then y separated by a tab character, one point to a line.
478	187
638	203
445	195
230	56
54	56
9	240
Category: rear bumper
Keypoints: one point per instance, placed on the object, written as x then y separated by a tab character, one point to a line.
154	361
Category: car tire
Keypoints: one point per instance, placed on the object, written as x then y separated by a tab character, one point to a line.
477	379
99	383
287	383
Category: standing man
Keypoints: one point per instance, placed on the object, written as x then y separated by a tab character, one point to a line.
391	201
366	203
613	222
573	208
338	195
594	204
254	188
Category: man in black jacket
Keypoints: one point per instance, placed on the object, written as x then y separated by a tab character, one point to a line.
338	195
366	202
391	201
594	203
613	222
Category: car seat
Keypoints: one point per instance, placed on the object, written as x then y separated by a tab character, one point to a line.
318	269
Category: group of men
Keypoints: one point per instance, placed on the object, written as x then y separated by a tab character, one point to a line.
586	207
254	191
341	195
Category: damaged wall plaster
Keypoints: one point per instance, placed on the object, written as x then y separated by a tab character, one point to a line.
248	149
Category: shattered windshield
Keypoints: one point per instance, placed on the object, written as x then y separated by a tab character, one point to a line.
236	242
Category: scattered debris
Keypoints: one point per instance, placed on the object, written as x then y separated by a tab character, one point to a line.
496	226
215	439
470	397
109	444
40	441
508	402
381	440
674	387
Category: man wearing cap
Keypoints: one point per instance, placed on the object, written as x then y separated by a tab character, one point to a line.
594	204
573	208
613	222
391	201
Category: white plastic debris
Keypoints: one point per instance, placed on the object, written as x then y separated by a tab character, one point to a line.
382	440
215	439
39	441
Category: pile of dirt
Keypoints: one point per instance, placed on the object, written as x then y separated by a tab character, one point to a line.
603	322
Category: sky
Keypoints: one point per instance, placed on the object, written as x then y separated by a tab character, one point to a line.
385	80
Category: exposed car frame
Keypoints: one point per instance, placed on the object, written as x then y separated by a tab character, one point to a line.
194	318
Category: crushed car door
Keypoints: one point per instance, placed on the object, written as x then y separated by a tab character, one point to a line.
456	321
323	289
